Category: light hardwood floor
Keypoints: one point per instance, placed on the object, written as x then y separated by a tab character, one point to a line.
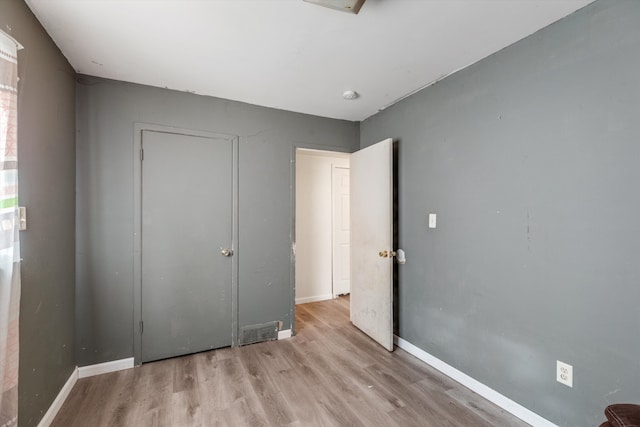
329	374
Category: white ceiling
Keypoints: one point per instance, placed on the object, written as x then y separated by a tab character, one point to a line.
290	54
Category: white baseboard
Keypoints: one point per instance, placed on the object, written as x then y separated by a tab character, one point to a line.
103	368
488	393
282	335
51	413
83	372
316	298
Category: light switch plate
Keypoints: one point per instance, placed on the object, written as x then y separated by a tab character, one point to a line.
432	220
23	218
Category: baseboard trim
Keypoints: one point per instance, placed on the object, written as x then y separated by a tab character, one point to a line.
51	413
103	368
282	335
314	299
491	395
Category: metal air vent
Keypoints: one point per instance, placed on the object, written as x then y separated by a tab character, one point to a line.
257	333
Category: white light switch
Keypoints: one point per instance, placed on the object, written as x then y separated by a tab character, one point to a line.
23	218
432	220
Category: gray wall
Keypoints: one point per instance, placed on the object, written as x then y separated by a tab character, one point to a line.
107	111
531	160
46	144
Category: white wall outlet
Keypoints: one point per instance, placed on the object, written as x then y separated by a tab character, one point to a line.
432	220
564	374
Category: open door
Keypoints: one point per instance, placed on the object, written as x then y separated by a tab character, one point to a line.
372	241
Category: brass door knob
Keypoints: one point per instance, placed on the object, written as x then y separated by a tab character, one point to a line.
387	254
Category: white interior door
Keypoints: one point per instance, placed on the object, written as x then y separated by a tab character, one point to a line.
372	241
341	231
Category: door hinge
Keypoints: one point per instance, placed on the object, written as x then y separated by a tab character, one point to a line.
141	154
141	326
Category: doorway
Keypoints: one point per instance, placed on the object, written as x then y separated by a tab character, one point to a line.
322	265
186	270
371	194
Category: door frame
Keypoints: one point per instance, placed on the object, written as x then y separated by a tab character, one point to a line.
333	227
137	227
292	246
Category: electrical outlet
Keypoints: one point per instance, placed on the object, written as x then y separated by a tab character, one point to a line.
564	374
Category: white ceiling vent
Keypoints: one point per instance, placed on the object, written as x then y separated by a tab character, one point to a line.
352	6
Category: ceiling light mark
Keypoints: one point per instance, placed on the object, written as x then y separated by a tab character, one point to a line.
350	95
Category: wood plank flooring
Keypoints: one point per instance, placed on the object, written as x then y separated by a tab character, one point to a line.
329	374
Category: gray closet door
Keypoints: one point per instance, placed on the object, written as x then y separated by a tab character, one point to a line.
186	224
